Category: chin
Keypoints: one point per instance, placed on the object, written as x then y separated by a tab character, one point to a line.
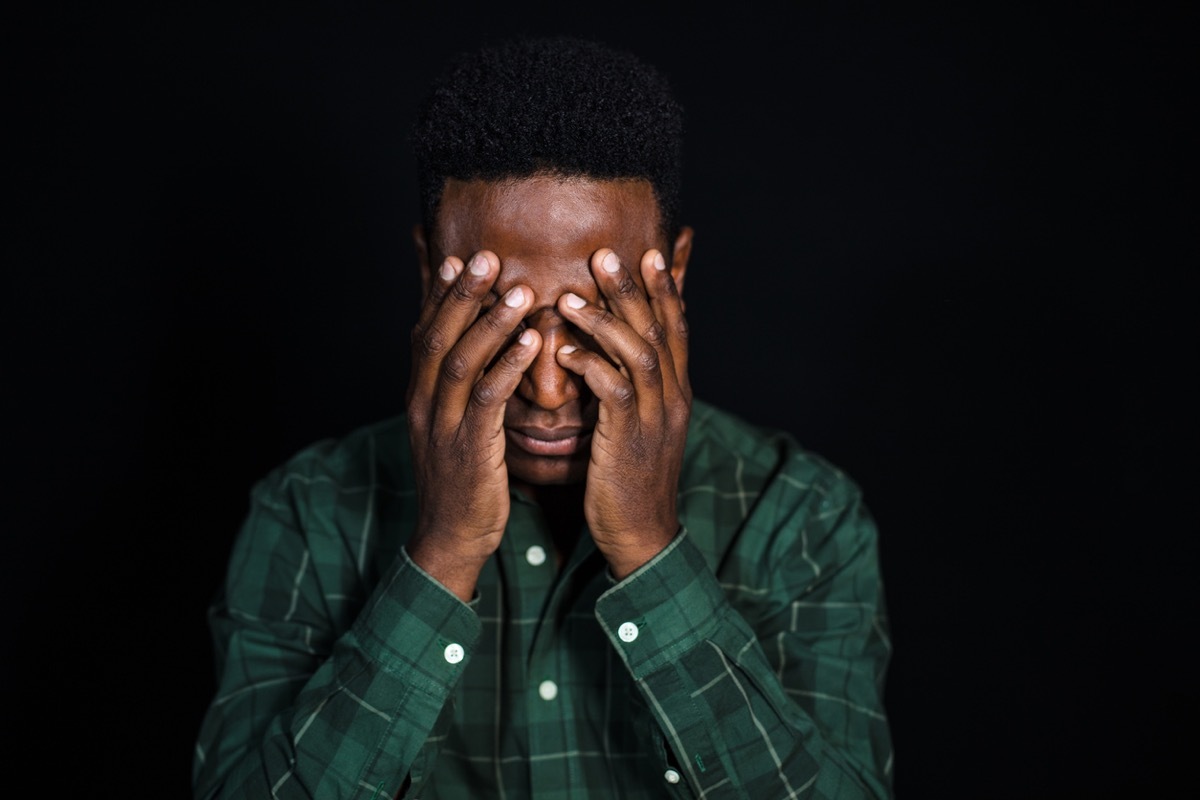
547	471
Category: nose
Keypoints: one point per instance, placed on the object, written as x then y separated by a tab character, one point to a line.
546	385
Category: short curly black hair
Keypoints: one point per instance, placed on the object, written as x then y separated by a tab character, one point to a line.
550	104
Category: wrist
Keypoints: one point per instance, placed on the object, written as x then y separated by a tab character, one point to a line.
458	573
641	548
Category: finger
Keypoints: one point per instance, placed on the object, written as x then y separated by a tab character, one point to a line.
447	273
620	288
629	302
626	298
490	393
627	331
440	283
457	307
667	306
614	391
637	359
466	363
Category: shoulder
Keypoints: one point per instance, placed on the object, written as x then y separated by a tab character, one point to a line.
720	441
320	511
302	549
755	494
368	459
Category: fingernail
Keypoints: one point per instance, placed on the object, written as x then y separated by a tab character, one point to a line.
611	263
567	348
575	301
659	263
515	297
526	337
479	265
447	271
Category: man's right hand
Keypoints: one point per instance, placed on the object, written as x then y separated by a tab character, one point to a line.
464	369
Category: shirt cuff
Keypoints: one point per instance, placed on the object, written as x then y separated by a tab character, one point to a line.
663	609
414	626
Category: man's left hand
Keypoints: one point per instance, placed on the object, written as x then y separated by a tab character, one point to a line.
645	403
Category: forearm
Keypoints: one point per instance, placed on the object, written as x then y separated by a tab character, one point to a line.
367	718
722	708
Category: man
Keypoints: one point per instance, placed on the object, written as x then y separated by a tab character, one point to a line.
557	574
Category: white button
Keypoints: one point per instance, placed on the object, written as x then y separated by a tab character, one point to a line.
672	776
535	555
627	632
548	690
454	653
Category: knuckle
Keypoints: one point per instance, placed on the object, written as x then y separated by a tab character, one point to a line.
430	343
655	335
623	395
460	293
626	288
418	417
680	416
644	450
646	360
494	322
454	368
681	328
437	291
511	360
604	319
485	393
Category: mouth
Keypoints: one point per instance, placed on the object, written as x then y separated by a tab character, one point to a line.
550	441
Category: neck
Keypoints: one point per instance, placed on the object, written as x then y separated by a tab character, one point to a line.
562	508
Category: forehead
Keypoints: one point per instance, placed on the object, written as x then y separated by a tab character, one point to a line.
547	216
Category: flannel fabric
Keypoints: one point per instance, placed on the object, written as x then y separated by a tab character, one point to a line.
745	660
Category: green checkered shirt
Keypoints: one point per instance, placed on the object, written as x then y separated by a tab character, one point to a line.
745	660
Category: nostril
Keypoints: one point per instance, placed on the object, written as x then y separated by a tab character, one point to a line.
546	384
545	319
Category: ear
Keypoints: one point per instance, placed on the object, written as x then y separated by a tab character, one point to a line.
679	260
418	234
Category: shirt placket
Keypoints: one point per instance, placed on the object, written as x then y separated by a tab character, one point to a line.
555	744
526	566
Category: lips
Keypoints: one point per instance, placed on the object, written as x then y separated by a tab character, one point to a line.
550	441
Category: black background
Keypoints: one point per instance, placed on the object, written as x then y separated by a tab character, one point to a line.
951	250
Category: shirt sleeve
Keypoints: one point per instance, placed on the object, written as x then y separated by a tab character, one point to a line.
778	697
307	707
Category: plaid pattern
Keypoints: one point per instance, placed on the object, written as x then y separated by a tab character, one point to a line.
746	660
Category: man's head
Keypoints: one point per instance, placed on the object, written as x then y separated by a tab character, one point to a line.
554	105
542	153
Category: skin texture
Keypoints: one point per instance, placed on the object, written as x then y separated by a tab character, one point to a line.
533	363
